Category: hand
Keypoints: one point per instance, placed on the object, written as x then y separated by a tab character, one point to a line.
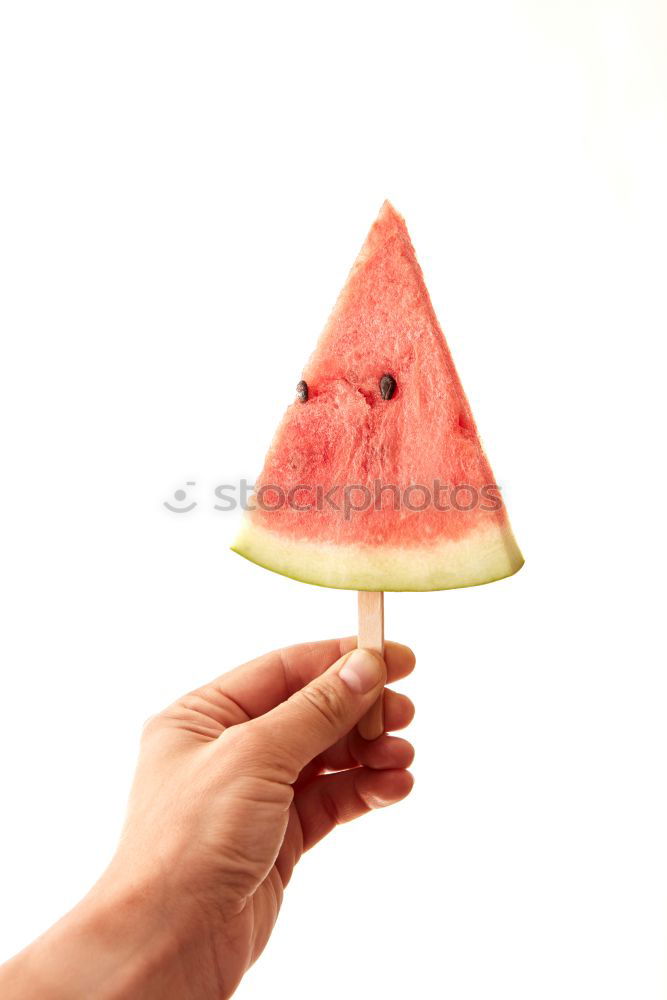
234	782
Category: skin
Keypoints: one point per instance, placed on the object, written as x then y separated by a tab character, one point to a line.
235	781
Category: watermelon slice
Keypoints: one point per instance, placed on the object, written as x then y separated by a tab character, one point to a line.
376	478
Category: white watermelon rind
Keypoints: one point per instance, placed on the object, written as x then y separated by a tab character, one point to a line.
483	556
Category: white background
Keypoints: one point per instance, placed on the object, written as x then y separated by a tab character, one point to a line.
184	187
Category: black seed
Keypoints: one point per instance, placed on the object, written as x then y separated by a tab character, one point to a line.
302	391
387	386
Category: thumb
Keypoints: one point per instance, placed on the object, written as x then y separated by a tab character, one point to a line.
321	713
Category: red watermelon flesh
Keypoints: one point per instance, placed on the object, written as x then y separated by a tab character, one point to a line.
417	505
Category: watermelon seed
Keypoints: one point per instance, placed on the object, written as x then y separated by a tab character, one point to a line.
387	386
302	391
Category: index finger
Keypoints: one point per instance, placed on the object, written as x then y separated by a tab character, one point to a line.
259	685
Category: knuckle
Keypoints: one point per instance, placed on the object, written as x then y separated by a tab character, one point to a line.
327	702
235	739
152	724
244	745
250	749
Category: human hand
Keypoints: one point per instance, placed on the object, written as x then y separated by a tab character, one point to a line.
234	782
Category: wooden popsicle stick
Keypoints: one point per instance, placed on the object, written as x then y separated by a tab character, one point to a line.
371	636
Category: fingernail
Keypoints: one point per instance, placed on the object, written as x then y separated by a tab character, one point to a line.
362	671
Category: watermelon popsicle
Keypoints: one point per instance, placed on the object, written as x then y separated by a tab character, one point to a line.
376	479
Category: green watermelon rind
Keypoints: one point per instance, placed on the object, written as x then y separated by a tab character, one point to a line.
494	554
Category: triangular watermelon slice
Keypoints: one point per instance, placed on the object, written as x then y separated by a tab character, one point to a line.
381	430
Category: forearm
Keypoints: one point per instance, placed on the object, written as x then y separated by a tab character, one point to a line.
113	945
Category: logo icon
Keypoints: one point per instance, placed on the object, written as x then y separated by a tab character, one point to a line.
180	496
